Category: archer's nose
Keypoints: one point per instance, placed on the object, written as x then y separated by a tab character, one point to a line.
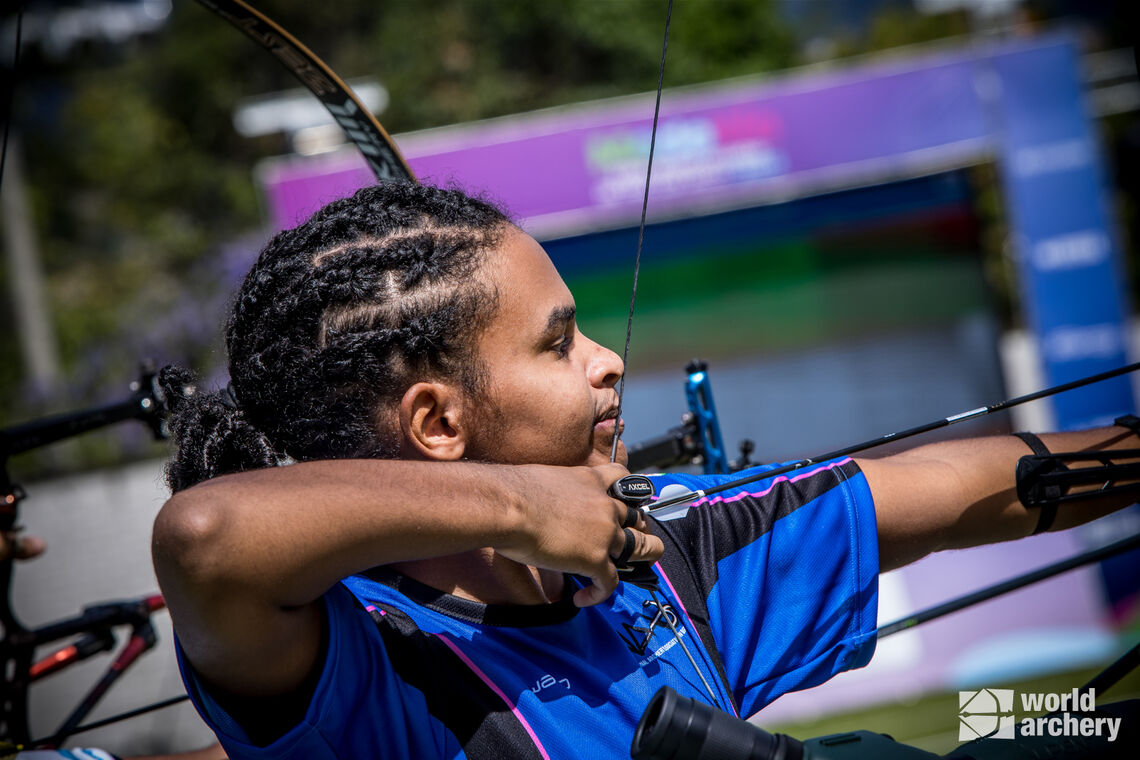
605	368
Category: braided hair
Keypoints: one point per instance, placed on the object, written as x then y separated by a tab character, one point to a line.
338	317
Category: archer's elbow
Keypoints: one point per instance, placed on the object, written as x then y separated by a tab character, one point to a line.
187	543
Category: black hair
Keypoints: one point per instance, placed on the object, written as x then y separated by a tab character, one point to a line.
338	317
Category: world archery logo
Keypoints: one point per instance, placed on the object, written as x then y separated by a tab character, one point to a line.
985	714
988	714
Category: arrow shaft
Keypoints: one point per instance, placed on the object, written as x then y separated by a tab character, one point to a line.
981	595
899	436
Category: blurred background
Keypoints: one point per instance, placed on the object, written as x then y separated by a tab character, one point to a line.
865	214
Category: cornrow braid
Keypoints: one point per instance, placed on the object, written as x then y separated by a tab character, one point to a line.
335	320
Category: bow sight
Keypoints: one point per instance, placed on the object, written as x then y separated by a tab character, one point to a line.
697	440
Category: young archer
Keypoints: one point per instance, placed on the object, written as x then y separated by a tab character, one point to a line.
432	574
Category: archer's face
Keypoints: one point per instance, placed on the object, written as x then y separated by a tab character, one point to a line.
552	388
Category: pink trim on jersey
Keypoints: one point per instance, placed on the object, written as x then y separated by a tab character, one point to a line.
672	590
374	608
483	677
776	482
685	612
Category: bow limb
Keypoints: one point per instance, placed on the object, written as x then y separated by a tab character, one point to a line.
365	131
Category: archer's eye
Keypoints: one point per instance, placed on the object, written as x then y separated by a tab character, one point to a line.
562	348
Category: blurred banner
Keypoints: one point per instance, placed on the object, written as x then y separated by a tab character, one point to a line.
1057	199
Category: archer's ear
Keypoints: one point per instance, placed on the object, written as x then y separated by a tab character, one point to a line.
432	422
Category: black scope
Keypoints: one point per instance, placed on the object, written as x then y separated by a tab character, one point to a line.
678	728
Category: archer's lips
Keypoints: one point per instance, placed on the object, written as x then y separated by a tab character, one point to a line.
609	424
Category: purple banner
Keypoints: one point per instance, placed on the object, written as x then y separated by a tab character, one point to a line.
579	168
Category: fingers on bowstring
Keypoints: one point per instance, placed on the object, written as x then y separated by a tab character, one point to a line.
632	545
648	546
651	548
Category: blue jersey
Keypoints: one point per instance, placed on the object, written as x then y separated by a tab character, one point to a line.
763	590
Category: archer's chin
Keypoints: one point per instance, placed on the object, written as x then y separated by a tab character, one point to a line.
622	455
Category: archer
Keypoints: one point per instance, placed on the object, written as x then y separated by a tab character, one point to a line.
390	537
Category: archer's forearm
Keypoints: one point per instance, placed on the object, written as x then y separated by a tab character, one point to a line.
287	534
955	494
244	559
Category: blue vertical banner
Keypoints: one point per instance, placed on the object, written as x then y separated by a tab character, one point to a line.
1058	204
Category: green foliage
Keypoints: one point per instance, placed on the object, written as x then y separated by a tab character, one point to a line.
895	27
446	61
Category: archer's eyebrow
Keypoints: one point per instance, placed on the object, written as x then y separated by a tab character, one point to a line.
560	317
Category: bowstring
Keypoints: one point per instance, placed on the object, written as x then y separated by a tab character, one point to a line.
641	234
